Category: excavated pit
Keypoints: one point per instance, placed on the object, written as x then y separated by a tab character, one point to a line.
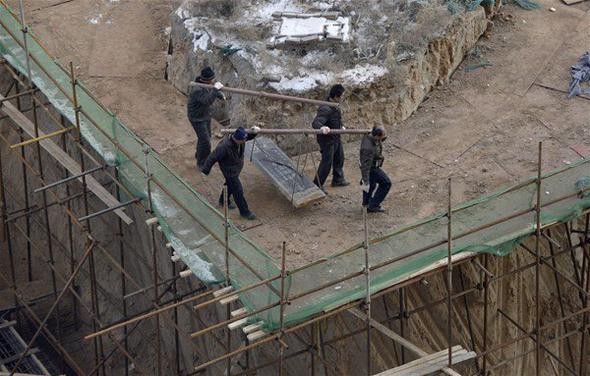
392	56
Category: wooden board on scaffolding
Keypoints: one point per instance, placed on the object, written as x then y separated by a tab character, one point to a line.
271	160
430	363
63	158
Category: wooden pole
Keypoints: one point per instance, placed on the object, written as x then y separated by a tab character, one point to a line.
282	308
367	288
267	95
538	266
227	275
450	276
304	131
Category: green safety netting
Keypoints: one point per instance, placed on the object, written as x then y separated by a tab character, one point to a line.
493	224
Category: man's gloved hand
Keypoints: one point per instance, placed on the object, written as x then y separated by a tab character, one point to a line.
365	186
218	85
254	130
325	130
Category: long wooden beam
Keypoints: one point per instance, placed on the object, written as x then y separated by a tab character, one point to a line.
302	131
63	158
267	95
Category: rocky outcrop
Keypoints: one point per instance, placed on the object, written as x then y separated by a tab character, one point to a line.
396	54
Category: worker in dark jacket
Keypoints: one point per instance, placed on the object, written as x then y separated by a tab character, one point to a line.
229	153
327	118
371	160
199	112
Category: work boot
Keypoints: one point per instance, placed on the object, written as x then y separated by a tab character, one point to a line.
342	183
249	216
376	209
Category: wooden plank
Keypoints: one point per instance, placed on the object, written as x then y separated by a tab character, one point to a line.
397	338
229	299
237	324
429	364
270	159
63	158
239	312
428	359
252	328
256	335
223	291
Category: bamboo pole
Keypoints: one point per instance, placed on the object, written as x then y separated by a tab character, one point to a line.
40	138
267	95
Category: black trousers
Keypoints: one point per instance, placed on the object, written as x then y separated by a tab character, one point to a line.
332	159
203	131
235	190
377	179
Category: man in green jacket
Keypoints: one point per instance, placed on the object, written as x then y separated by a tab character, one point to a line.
371	160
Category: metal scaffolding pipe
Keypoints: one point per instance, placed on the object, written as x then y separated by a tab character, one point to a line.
69	178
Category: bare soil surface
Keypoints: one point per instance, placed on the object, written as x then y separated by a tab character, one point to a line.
481	129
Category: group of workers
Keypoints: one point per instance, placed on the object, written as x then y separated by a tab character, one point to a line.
229	153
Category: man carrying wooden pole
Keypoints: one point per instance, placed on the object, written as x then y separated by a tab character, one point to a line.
199	112
328	118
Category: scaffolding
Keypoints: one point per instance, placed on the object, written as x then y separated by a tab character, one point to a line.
265	306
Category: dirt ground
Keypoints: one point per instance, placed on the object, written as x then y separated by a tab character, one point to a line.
481	129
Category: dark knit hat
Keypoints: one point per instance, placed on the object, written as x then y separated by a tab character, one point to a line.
240	134
207	74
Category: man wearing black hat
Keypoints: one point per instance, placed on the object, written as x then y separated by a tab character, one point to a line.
199	112
327	118
229	153
371	160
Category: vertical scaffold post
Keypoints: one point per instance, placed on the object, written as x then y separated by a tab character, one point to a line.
282	307
367	288
41	175
227	275
98	344
25	183
538	266
485	315
123	281
450	275
583	360
150	210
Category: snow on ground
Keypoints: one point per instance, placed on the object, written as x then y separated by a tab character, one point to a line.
201	38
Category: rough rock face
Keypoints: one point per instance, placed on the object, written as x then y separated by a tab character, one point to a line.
397	52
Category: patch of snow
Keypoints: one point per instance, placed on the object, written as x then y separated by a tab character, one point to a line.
301	84
200	268
362	74
201	38
182	13
265	12
161	205
168	30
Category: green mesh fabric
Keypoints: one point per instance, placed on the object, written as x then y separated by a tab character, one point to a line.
494	224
